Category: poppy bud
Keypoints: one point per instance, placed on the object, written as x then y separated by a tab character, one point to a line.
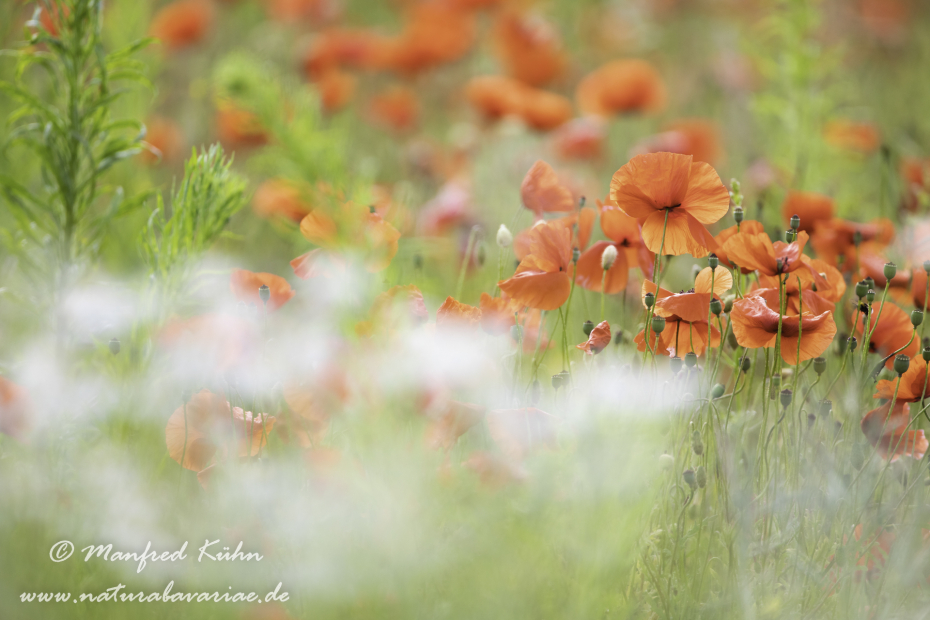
926	354
870	281
372	209
901	362
779	265
608	257
734	184
826	407
658	324
675	364
690	478
853	343
717	391
811	418
504	237
482	254
862	287
786	398
418	261
745	364
890	270
516	332
701	476
917	317
820	365
114	346
870	296
927	266
535	392
716	307
731	340
557	381
649	299
618	337
795	222
738	215
690	359
581	202
713	261
697	443
728	303
666	461
587	328
791	235
264	293
576	254
857	238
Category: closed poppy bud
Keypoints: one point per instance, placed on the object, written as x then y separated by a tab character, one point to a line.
114	346
690	359
734	185
418	261
738	214
731	340
745	364
820	365
504	237
717	391
576	254
608	257
690	478
618	337
773	387
791	235
826	407
890	270
917	317
901	362
516	332
870	296
700	476
658	324
716	307
728	303
857	238
587	327
779	265
482	254
713	261
675	364
264	293
853	343
666	461
862	287
786	395
926	354
795	222
649	299
927	266
697	443
811	418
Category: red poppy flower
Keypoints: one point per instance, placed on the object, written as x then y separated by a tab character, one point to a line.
834	238
811	207
691	136
887	431
454	314
182	23
872	265
598	339
434	33
456	419
749	227
581	138
245	286
497	314
165	137
237	127
756	251
528	47
543	279
281	197
916	176
396	108
815	290
666	187
288	11
496	97
852	136
543	192
911	388
625	235
342	47
755	325
891	330
621	86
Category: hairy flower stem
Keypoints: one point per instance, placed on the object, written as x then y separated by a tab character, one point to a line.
657	275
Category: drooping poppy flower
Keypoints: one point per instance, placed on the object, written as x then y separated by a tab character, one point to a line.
449	210
542	191
580	223
518	431
811	207
891	329
673	197
581	138
528	47
690	136
835	238
912	384
456	315
497	314
543	278
245	286
182	23
281	197
625	235
598	339
755	325
686	315
15	409
205	428
454	421
396	108
852	136
756	251
621	86
165	138
887	431
237	127
749	227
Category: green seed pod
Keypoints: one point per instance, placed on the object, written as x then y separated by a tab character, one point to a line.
811	418
870	296
700	477
658	324
264	293
926	354
786	398
728	304
795	222
690	478
745	364
890	270
917	317
738	214
690	359
820	365
852	343
618	337
713	261
576	254
666	461
791	235
674	364
649	299
901	363
697	444
731	340
587	327
862	287
716	307
717	391
557	381
114	346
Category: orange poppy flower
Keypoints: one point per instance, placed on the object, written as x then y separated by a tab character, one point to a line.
518	431
282	198
749	227
309	418
666	187
288	11
450	210
796	300
621	86
815	290
872	265
834	238
919	286
852	136
543	110
222	341
625	235
691	136
15	409
581	138
534	334
686	315
916	176
165	137
456	315
434	33
456	419
204	427
497	314
598	339
528	47
755	325
756	251
182	23
811	207
543	279
543	192
891	330
496	96
245	286
342	47
887	20
887	431
396	108
336	88
402	304
237	127
911	388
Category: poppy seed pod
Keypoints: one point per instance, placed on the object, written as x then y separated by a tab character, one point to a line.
870	296
853	343
701	476
779	265
890	270
516	332
587	327
728	303
791	235
862	287
576	254
745	364
738	214
820	365
811	418
713	261
114	346
826	407
697	443
717	391
481	255
917	317
901	362
649	299
926	354
675	364
795	222
690	478
716	307
658	324
608	257
504	237
927	266
785	398
618	337
264	293
557	381
773	387
690	359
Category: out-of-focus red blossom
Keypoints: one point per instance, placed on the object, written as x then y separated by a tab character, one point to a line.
245	286
852	136
888	433
495	471
281	197
534	333
621	86
400	304
453	314
835	238
396	108
497	314
916	176
166	137
448	210
435	32
15	409
761	174
542	280
497	96
811	207
336	88
291	10
598	339
311	406
237	127
885	19
581	138
519	431
222	340
542	191
342	47
205	426
528	47
444	429
891	331
52	17
182	23
625	235
872	265
911	388
693	136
